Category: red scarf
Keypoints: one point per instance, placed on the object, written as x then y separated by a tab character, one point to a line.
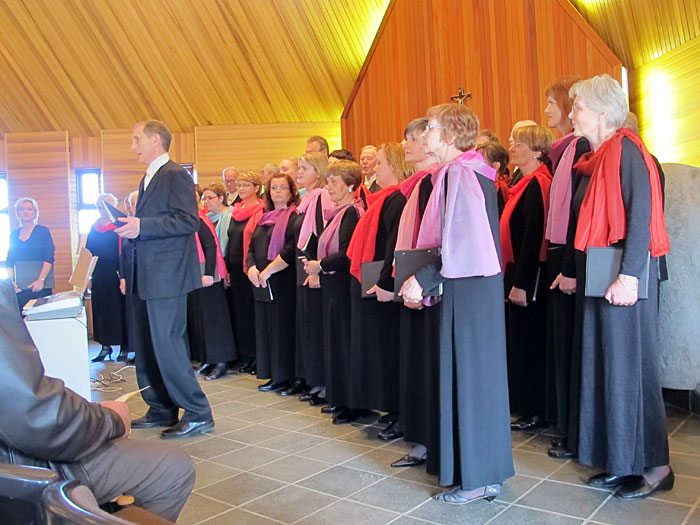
544	178
502	183
601	220
252	214
362	244
220	264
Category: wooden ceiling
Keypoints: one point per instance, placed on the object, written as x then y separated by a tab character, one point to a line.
87	65
639	31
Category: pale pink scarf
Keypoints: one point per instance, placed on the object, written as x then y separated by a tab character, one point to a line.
329	241
560	197
308	207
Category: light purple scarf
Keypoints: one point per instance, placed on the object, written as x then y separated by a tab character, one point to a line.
459	223
280	219
560	196
329	241
308	207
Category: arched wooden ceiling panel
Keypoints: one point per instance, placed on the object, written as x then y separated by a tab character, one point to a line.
87	65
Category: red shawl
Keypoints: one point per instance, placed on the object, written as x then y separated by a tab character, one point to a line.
544	178
220	264
602	220
362	244
252	214
502	183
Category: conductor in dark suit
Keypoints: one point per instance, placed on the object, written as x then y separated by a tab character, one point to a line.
166	268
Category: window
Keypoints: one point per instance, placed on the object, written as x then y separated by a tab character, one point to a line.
190	169
89	188
4	223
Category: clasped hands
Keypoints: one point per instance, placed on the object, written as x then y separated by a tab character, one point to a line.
412	293
258	278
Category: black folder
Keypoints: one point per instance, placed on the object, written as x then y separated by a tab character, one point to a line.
263	295
408	262
370	276
603	267
113	213
26	272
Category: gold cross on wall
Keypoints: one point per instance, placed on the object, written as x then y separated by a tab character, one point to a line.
461	96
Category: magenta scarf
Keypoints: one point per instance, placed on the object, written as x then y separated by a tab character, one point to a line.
560	195
308	207
329	241
280	219
459	223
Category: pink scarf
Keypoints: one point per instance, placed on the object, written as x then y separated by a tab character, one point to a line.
329	241
410	216
220	263
280	219
308	207
459	223
560	196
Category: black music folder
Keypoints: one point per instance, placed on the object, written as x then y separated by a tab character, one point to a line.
408	262
113	213
263	295
603	267
370	276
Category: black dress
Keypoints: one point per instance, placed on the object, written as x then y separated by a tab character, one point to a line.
309	362
38	247
208	321
527	326
374	336
475	445
335	295
275	322
108	304
240	294
419	369
620	420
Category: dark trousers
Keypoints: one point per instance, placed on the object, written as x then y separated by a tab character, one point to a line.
162	358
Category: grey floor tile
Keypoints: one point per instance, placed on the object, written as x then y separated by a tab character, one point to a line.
260	399
349	512
199	508
293	442
230	408
291	405
641	512
515	487
293	421
291	469
254	434
227	424
684	443
534	464
340	481
523	516
686	464
232	394
690	427
364	436
377	461
417	474
260	414
241	489
473	514
407	520
685	490
563	498
239	517
694	518
328	429
249	457
214	446
211	387
539	443
335	451
574	472
395	495
290	503
209	473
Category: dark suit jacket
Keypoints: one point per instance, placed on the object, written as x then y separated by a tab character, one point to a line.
166	253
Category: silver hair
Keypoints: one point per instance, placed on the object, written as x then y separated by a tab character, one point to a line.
234	168
603	94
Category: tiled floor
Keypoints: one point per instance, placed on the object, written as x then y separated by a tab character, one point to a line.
276	460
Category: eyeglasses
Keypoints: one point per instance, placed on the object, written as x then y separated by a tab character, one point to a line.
514	144
279	188
244	184
430	126
210	198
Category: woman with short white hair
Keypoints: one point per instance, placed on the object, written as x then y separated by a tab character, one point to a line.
618	203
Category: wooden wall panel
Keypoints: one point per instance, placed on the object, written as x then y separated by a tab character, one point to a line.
663	94
38	167
502	51
85	152
249	146
121	170
3	157
182	148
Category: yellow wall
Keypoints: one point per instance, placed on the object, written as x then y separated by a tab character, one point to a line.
664	95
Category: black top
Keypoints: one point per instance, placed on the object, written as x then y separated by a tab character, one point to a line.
234	248
39	246
385	241
208	247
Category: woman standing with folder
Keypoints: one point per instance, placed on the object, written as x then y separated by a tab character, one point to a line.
462	218
620	419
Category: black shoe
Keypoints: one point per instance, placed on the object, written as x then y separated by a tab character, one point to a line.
131	361
408	461
185	429
297	387
248	369
106	352
217	372
307	397
205	369
349	415
388	419
560	452
331	409
149	421
393	431
558	442
527	423
640	488
271	387
123	356
606	481
317	400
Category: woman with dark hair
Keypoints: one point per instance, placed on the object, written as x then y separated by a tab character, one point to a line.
374	378
208	318
564	153
523	251
333	266
108	306
620	410
340	154
244	218
475	446
272	264
311	177
496	156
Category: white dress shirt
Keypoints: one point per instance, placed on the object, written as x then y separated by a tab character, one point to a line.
153	167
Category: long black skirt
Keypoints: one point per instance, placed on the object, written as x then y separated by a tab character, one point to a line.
209	325
419	376
242	309
275	325
335	295
108	309
309	336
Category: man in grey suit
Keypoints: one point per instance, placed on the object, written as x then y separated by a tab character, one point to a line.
166	268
